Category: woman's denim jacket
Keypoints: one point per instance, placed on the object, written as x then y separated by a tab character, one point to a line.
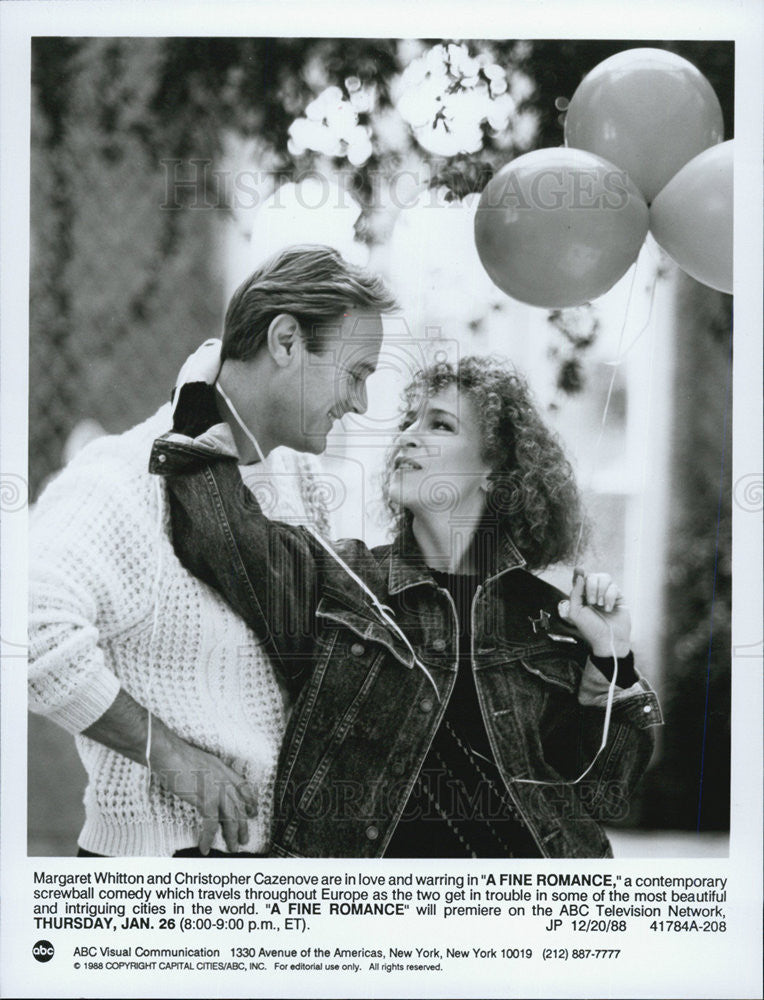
371	675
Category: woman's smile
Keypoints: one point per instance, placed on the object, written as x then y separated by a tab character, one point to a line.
405	463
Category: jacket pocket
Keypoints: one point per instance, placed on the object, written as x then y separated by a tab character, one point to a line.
558	670
364	625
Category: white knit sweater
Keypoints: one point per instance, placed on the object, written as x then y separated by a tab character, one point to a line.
101	561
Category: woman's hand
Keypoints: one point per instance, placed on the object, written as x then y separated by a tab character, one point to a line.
596	608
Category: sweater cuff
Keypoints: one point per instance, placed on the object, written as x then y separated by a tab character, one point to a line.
87	703
594	687
627	675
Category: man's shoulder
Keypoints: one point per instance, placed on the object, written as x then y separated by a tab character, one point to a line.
109	464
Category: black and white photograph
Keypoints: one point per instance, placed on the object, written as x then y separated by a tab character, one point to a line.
384	462
346	209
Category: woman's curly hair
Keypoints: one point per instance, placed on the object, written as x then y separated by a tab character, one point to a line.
532	492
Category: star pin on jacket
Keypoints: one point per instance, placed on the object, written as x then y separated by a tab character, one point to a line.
542	625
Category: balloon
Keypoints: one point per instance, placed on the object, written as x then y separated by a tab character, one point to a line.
648	111
558	227
692	217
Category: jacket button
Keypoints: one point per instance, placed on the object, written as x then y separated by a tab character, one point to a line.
439	645
357	649
372	832
426	704
399	767
161	458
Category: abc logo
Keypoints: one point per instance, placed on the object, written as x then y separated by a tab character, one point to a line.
43	951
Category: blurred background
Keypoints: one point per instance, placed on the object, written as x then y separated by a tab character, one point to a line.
164	170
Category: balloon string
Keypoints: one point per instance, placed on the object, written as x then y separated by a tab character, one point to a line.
605	725
620	355
638	337
603	421
606	409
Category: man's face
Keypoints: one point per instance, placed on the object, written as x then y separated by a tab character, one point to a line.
333	382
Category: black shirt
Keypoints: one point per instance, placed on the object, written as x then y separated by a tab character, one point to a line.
459	806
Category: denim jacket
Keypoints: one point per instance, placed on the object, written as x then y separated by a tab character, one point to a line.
368	649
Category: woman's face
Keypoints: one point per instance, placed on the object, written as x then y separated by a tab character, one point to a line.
437	459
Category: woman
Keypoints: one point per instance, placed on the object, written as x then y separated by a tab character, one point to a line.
443	706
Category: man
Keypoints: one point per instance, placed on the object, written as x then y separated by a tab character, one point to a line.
128	651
